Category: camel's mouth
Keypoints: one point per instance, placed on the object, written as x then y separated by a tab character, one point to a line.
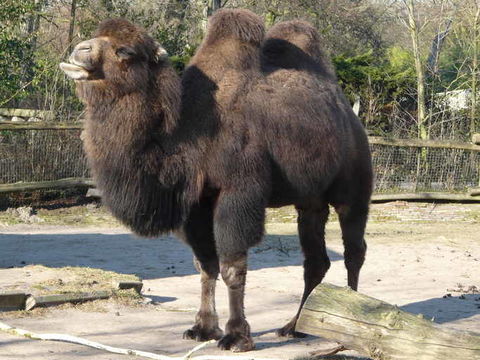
75	71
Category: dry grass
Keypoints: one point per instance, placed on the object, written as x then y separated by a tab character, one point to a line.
81	279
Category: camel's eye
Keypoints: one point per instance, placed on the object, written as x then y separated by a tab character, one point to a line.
125	53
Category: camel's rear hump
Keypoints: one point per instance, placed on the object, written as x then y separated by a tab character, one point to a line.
295	44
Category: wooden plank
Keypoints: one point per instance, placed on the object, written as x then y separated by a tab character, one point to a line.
423	143
15	126
46	115
380	330
10	301
51	300
378	198
55	184
125	285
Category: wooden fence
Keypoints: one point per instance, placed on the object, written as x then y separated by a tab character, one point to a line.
406	169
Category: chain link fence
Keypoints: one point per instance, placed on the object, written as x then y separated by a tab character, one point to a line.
423	169
42	155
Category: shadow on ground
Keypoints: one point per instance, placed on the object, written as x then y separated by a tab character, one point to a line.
448	309
126	253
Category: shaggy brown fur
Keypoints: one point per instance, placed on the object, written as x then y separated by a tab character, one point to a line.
296	45
262	123
131	106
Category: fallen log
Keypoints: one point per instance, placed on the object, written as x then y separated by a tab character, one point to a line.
474	192
380	330
50	300
476	139
126	285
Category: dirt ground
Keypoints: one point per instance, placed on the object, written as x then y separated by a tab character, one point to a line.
417	255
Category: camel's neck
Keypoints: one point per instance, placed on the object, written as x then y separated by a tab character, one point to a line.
135	160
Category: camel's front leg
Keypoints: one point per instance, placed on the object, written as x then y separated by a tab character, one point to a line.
206	320
237	330
238	224
198	233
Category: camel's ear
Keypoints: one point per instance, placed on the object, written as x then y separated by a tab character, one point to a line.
160	53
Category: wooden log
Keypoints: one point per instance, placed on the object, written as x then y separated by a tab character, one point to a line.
15	126
94	193
377	198
10	301
380	330
55	184
50	300
125	285
46	115
474	192
440	144
476	139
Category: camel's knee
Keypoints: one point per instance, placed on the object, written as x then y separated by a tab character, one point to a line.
208	269
355	254
316	267
234	272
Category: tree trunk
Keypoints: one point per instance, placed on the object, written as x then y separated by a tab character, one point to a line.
213	5
437	45
413	28
71	29
473	111
380	330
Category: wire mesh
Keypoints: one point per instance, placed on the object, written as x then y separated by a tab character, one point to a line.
53	154
41	155
411	169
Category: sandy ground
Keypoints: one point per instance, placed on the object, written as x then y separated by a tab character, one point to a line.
413	264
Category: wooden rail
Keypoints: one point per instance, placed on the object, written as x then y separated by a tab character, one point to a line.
472	196
55	184
40	125
79	182
440	144
46	115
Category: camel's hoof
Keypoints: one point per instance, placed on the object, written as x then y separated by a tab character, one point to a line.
236	343
289	331
198	334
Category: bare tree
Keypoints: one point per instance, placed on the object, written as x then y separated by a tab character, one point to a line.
71	29
419	69
474	82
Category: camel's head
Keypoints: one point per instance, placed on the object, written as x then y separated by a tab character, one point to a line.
120	54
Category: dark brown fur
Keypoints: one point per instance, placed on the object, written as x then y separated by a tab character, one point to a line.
262	123
131	109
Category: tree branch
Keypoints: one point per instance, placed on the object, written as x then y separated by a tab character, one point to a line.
76	340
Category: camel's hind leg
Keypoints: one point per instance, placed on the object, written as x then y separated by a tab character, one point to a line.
198	233
311	230
353	219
